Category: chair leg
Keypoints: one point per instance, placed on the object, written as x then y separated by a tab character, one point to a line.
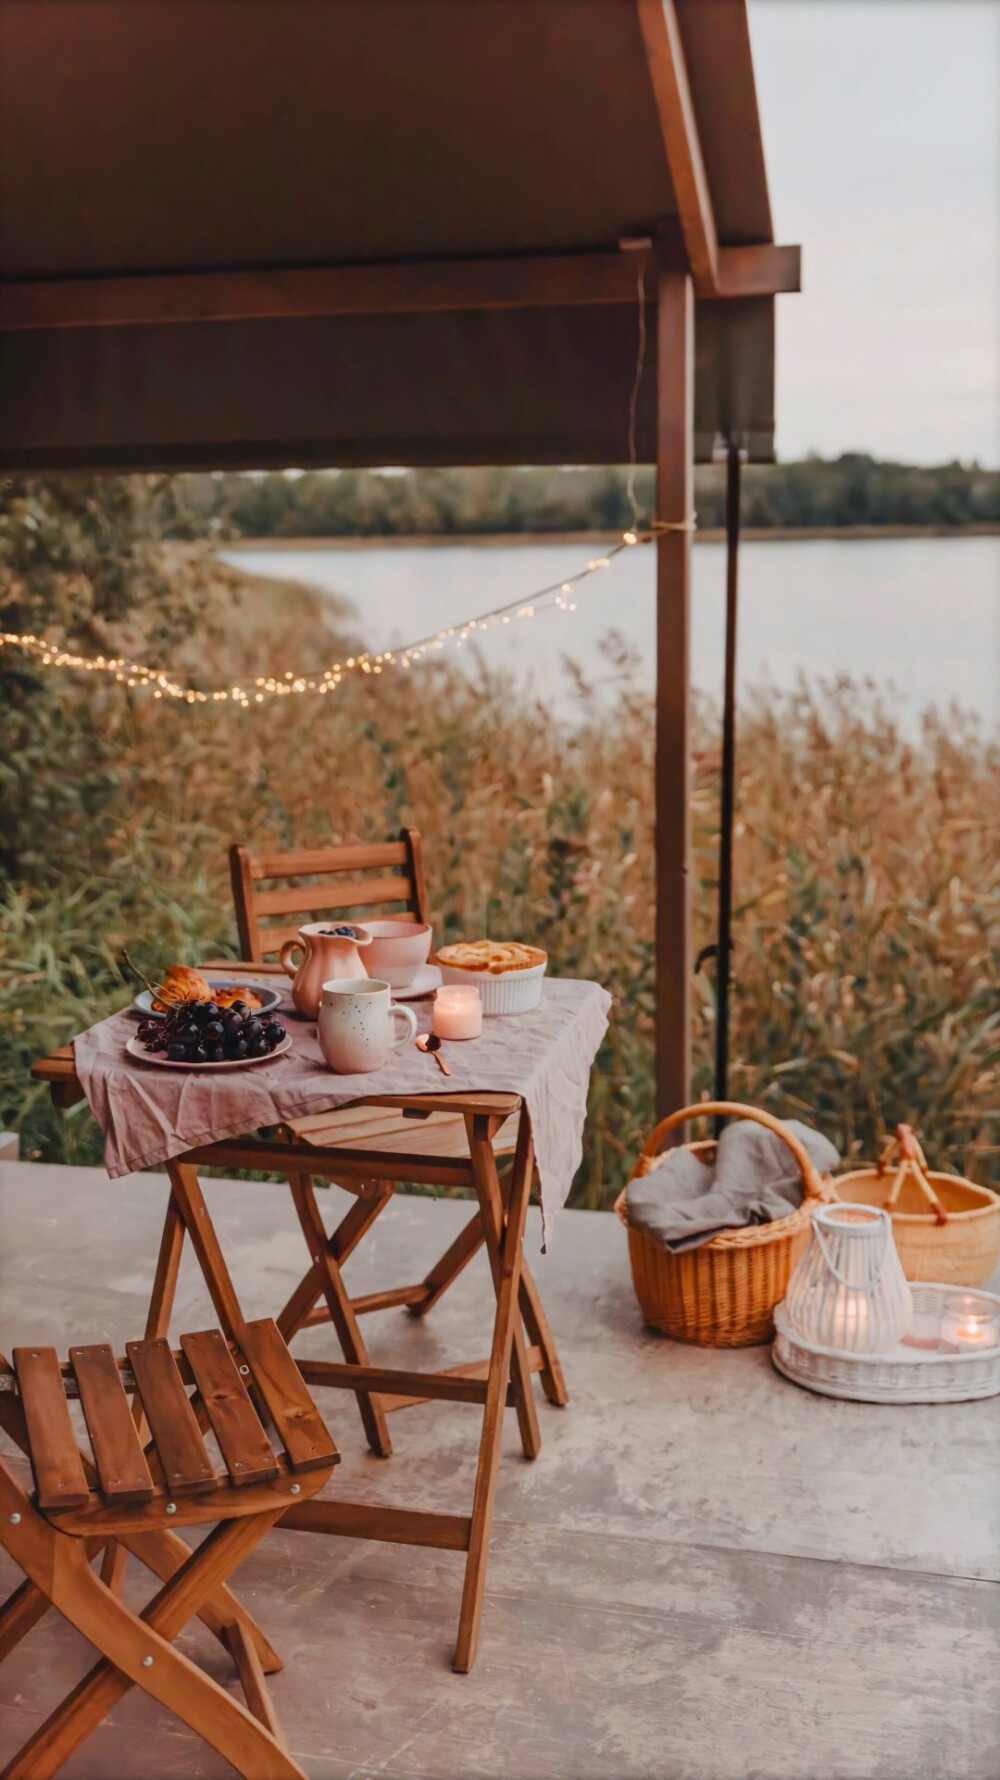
139	1651
20	1611
341	1314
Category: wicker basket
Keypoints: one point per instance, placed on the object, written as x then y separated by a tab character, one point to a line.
722	1294
946	1228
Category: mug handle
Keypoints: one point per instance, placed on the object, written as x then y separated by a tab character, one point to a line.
290	945
407	1014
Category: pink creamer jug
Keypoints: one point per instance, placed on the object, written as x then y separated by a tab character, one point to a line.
332	953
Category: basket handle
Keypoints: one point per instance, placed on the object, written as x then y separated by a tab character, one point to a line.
912	1162
810	1178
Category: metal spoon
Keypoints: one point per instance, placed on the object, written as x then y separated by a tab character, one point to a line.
431	1044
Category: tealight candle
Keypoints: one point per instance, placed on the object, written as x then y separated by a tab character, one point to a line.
969	1324
458	1012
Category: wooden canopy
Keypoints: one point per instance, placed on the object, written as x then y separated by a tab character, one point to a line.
249	232
407	214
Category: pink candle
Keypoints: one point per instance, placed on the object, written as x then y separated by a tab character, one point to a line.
458	1012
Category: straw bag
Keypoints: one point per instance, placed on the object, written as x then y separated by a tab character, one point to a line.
722	1294
946	1228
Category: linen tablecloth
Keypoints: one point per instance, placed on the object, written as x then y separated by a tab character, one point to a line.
149	1114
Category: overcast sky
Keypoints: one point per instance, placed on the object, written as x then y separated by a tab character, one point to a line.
882	133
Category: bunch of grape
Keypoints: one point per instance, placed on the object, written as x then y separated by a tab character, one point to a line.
199	1032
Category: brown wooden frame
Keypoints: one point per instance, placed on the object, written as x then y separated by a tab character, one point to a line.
414	288
53	1536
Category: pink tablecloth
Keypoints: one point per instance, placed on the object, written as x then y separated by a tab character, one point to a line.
149	1114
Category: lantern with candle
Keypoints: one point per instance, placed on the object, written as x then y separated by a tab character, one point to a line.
848	1292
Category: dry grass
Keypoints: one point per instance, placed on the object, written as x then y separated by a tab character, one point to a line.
867	873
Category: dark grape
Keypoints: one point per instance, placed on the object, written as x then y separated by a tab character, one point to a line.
176	1053
252	1028
215	1053
199	1054
214	1031
241	1048
240	1007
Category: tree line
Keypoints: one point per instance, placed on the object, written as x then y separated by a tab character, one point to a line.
829	494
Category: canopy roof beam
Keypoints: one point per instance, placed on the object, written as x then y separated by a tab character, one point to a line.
537	281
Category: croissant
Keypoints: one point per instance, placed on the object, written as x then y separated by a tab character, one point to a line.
180	983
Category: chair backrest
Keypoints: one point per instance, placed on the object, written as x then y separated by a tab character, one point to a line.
320	881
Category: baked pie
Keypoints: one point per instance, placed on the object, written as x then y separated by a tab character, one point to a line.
495	957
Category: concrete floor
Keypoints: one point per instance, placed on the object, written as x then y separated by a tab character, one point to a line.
708	1574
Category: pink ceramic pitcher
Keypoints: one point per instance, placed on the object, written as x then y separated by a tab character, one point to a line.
332	953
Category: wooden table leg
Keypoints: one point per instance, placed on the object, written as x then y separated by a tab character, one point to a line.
357	1222
484	1168
467	1243
190	1203
496	1392
341	1313
540	1335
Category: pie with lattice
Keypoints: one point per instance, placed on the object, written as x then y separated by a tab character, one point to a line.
495	957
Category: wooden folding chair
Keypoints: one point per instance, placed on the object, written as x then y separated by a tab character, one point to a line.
401	881
128	1498
386	1133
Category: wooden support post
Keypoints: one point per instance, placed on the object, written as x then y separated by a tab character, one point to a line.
727	799
674	506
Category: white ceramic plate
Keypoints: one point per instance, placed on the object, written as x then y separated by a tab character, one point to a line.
269	998
427	979
137	1049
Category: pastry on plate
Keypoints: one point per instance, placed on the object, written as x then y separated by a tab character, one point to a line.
226	997
180	983
495	957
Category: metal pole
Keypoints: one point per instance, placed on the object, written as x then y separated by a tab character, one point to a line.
728	794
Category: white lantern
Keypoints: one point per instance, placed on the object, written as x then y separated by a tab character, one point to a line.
849	1292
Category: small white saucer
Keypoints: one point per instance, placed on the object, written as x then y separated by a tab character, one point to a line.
427	979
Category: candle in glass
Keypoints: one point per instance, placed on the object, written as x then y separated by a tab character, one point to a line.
969	1324
458	1012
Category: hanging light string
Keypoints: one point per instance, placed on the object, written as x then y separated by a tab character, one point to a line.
264	687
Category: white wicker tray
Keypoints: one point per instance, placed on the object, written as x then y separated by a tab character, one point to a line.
901	1375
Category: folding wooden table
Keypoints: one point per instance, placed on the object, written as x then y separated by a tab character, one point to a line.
360	1147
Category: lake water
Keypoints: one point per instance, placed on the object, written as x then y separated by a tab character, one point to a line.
919	614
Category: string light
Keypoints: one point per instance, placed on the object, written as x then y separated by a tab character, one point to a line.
262	688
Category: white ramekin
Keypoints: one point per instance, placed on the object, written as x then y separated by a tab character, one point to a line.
506	992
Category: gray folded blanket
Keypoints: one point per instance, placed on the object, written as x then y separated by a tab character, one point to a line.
755	1180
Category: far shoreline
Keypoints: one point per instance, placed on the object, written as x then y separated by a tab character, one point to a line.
711	535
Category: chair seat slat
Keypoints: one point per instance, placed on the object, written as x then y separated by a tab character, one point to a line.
187	1467
121	1464
242	1441
301	1428
53	1451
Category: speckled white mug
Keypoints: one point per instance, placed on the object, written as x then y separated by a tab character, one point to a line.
355	1025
